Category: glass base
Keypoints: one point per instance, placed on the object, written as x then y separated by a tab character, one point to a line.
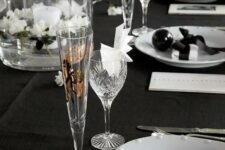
29	61
107	141
141	30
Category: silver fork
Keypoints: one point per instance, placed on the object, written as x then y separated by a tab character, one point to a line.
195	135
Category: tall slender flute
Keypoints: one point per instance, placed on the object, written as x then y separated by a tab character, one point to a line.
144	28
75	46
128	8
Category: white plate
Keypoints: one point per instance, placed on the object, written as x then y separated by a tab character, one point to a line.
213	38
172	142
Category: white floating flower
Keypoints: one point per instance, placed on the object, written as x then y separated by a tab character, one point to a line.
25	13
5	23
75	21
59	79
17	26
113	10
35	5
39	29
69	9
80	21
11	15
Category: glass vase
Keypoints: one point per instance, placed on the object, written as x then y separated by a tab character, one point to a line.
28	30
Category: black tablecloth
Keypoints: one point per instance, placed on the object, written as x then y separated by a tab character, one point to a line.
33	111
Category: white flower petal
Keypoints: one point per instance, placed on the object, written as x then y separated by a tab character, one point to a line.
112	11
17	25
66	8
11	14
59	79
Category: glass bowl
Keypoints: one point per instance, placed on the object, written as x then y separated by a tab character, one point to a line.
28	31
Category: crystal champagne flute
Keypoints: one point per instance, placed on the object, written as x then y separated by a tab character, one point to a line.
106	79
144	28
75	46
128	8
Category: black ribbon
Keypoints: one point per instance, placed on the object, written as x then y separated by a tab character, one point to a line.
183	45
183	49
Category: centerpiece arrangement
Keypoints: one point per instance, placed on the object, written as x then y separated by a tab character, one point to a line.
28	34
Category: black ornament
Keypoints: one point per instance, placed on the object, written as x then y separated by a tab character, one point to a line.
162	39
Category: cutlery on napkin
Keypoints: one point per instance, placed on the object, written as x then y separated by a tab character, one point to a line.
182	130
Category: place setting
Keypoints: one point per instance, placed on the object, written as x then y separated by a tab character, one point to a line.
161	137
179	46
194	47
182	46
167	45
190	47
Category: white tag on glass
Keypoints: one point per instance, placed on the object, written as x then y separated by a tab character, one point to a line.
121	41
118	52
111	59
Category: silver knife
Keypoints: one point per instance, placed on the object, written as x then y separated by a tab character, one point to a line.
183	130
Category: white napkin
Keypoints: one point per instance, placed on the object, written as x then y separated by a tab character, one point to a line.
121	41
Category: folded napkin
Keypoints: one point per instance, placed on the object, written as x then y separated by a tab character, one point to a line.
118	51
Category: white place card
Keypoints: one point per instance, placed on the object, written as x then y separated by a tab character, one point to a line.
196	9
187	82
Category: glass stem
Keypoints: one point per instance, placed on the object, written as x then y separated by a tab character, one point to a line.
107	107
24	3
9	4
77	122
145	13
127	23
78	136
